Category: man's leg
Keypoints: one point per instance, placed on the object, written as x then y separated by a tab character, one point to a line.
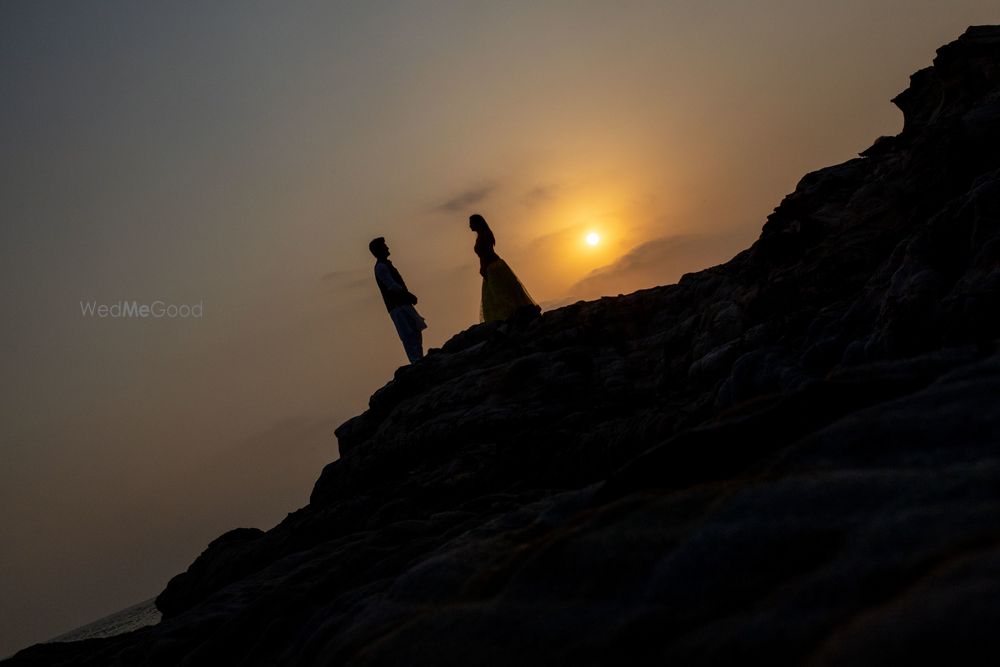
407	321
413	343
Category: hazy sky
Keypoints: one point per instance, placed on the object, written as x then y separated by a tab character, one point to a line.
240	155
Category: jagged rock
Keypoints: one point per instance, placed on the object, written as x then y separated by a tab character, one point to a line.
790	458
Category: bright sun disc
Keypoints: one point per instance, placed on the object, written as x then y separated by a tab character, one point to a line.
593	238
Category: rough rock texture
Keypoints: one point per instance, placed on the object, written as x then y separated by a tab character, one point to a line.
793	457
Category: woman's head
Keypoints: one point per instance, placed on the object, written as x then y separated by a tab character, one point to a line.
477	223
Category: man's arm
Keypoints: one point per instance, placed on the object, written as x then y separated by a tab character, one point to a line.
384	276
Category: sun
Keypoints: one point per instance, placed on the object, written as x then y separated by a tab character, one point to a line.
593	238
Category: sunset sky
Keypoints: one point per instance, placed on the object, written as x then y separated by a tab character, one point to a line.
240	155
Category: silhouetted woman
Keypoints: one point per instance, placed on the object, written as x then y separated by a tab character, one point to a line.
503	294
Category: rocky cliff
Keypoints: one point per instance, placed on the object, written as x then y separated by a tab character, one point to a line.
792	457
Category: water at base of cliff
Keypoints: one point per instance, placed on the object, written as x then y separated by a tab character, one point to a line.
134	617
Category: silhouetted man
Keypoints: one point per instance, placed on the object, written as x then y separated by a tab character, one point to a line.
399	301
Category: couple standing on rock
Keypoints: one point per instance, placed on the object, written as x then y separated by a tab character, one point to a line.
504	297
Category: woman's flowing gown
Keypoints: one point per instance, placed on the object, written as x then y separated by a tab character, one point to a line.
503	293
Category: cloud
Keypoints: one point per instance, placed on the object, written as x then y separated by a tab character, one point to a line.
463	201
553	304
661	261
349	279
284	436
539	195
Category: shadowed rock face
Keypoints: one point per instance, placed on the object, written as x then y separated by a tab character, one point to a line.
792	457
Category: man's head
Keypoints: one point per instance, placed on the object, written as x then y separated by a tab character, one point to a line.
379	248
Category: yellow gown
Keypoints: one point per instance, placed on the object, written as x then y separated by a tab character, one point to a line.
503	293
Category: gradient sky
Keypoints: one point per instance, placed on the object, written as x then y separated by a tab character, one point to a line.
242	154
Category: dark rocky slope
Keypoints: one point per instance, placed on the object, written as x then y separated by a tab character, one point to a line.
793	457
